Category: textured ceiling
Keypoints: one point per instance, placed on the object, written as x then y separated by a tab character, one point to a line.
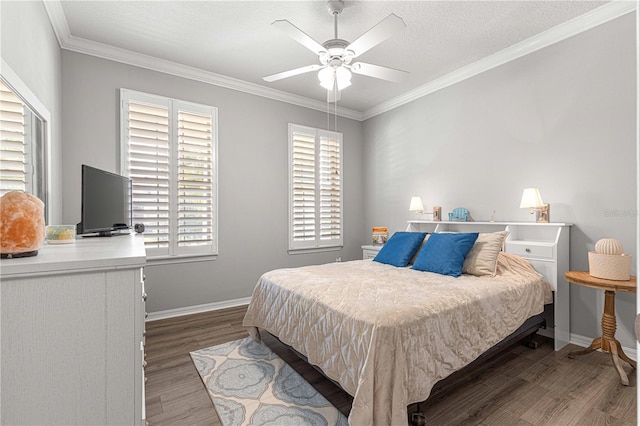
235	38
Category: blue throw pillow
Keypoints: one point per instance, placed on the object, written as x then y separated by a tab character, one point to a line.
400	248
444	253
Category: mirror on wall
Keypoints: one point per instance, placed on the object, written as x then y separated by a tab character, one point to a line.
23	145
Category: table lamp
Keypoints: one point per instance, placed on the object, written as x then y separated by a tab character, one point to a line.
532	200
416	206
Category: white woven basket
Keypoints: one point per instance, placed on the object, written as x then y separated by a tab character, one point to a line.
610	266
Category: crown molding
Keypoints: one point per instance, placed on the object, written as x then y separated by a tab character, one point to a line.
598	16
76	44
589	20
153	63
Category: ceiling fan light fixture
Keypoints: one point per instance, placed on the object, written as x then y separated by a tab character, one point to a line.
326	77
329	77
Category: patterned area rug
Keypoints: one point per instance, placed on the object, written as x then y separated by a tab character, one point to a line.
250	385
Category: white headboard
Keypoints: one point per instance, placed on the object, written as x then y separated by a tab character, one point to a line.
545	245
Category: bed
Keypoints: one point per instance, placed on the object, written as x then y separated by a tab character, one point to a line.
386	334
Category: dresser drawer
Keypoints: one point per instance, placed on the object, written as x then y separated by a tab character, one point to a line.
531	249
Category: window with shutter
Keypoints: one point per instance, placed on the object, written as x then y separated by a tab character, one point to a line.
168	150
14	158
24	139
315	188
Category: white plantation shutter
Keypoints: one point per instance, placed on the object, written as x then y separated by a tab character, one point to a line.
148	153
330	189
14	161
195	182
303	202
168	149
315	188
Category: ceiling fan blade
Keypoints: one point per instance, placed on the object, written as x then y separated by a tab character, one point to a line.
300	36
376	71
376	35
291	73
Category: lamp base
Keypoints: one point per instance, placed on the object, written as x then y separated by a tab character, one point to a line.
17	255
437	214
542	214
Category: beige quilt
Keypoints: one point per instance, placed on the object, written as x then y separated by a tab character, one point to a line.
388	334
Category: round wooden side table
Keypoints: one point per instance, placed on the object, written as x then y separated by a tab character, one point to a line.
607	342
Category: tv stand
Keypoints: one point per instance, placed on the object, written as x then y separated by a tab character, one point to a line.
116	229
106	234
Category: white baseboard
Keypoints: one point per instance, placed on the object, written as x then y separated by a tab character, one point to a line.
197	309
583	341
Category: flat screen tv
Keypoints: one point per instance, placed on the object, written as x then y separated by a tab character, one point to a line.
106	203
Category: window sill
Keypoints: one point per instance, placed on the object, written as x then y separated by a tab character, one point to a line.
186	258
314	250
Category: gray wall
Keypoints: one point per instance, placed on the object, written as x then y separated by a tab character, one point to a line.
253	193
562	119
30	47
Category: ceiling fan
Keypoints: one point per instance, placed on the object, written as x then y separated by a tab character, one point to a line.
336	55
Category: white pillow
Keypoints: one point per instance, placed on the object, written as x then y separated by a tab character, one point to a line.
483	257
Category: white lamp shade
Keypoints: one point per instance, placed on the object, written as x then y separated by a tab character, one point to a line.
416	204
331	76
343	76
531	198
326	77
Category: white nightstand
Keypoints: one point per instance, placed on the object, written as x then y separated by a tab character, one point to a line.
369	252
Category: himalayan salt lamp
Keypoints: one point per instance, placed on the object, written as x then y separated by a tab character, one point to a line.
22	227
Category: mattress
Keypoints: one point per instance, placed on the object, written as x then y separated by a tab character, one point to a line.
388	334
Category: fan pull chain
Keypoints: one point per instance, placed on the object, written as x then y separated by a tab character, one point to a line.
335	115
328	112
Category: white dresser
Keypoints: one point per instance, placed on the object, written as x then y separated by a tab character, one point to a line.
545	245
73	334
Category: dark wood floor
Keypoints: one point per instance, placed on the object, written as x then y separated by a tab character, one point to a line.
524	386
